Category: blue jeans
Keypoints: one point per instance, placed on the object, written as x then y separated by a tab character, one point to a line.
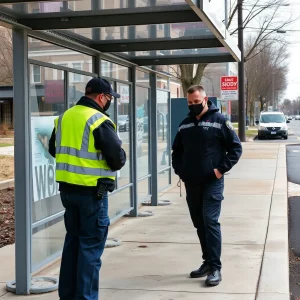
204	202
86	222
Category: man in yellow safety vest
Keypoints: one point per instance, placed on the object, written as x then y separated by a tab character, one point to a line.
88	153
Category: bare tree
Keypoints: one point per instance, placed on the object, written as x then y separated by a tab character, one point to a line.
261	16
291	107
6	59
266	75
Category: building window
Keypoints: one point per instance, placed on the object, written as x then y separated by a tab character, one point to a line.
77	77
36	74
160	27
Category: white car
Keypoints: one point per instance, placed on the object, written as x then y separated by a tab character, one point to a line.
272	124
297	118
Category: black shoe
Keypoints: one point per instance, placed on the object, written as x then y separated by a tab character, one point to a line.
201	272
214	278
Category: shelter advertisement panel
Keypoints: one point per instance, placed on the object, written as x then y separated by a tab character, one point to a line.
43	164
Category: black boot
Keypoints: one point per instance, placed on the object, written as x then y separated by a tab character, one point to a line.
214	278
201	272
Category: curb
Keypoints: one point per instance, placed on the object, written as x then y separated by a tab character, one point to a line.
274	278
7	184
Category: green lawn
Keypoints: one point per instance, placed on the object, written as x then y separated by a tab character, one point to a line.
251	133
5	145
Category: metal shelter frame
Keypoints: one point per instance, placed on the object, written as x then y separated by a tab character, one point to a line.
209	43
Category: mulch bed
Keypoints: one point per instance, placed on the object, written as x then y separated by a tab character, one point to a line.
7	217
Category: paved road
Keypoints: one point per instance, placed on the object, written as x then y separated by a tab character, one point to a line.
294	136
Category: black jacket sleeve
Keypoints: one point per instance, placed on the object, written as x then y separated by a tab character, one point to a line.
177	153
108	142
233	148
52	143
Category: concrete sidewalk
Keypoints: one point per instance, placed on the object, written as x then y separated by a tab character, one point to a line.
9	150
158	253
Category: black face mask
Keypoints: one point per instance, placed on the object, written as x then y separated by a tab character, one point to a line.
196	109
106	106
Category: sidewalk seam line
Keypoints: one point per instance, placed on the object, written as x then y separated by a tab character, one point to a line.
4	294
172	291
195	243
268	226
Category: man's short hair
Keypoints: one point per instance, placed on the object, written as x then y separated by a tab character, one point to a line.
195	88
91	95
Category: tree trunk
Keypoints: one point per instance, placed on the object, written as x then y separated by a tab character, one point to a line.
187	79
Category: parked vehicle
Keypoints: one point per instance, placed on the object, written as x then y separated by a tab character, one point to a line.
297	118
123	122
271	125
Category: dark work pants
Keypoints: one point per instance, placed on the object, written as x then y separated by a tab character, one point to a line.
204	202
86	221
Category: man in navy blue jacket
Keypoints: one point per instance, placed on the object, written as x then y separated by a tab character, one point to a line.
205	148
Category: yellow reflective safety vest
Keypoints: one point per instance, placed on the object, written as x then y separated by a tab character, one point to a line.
77	160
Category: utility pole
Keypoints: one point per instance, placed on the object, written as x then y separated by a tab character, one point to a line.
273	91
242	123
226	24
227	64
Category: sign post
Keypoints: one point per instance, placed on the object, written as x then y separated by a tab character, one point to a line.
229	87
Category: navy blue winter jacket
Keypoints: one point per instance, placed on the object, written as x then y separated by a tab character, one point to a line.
201	146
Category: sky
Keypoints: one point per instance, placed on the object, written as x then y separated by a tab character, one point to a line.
293	90
293	38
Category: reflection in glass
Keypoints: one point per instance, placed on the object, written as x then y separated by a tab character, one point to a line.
70	6
163	130
162	83
142	78
54	54
143	129
170	31
112	70
123	126
47	94
160	54
76	88
119	202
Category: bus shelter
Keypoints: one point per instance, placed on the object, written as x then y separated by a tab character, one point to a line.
58	46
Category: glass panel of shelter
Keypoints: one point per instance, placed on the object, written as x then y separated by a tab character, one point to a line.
71	6
120	113
47	93
49	53
171	31
47	101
